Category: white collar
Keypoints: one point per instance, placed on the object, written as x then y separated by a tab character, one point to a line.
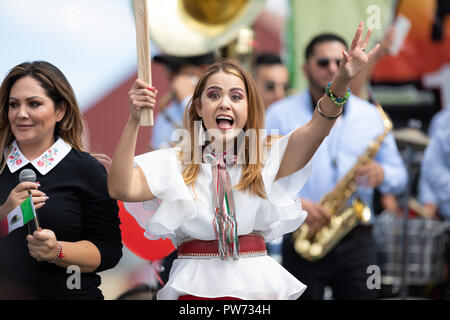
44	163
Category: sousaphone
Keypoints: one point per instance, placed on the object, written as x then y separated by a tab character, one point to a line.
195	27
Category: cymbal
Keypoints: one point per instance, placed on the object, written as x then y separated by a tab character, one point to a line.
412	137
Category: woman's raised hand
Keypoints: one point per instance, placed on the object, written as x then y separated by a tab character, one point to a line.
356	58
141	96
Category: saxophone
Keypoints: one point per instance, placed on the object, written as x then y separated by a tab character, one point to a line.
315	245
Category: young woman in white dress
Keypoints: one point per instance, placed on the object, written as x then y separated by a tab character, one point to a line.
227	187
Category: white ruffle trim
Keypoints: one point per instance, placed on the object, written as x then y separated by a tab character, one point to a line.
175	206
253	278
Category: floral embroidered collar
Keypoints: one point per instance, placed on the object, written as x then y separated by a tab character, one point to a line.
44	163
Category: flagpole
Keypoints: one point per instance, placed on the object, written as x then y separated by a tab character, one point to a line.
36	222
143	52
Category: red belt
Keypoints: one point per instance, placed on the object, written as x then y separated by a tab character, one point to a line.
249	245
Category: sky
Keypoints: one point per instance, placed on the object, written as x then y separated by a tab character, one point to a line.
91	41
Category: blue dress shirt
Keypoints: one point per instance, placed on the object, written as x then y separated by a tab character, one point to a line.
436	165
163	127
425	193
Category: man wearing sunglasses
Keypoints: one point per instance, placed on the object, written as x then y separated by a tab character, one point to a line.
272	77
344	268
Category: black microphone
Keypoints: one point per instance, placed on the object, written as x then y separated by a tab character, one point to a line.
28	175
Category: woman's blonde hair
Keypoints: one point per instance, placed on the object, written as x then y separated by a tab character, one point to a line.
251	179
57	87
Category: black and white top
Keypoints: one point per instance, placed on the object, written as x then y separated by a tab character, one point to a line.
78	208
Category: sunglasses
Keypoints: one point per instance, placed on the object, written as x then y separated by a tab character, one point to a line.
270	86
325	62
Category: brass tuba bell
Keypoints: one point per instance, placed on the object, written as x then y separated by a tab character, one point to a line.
195	27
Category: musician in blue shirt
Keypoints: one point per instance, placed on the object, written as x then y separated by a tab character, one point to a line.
344	268
435	169
427	196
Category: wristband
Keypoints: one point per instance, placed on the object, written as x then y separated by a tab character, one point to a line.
59	254
337	100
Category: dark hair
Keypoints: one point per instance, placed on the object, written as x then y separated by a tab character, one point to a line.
324	37
56	86
267	58
174	63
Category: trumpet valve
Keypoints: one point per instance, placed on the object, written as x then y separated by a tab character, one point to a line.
316	250
336	222
302	245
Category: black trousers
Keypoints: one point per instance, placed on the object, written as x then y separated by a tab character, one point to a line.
343	269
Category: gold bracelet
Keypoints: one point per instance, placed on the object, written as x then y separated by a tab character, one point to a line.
325	115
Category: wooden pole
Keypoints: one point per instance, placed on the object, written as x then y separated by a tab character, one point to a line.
143	52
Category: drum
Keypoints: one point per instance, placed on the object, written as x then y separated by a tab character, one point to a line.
426	249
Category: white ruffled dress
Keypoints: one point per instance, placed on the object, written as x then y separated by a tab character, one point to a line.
182	212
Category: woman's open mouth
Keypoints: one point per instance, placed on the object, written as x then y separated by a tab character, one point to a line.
224	122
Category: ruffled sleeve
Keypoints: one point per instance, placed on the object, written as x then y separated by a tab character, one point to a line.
282	213
173	204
